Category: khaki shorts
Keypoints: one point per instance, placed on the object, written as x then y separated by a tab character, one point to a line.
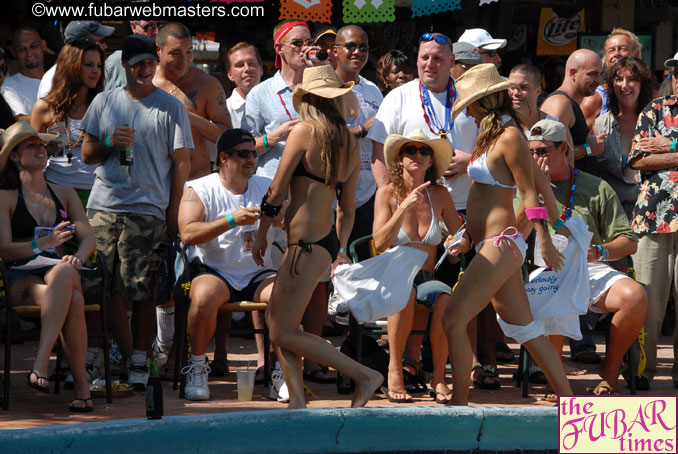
134	242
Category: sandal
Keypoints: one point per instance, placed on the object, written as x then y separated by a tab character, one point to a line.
404	392
86	409
415	383
36	384
603	389
320	375
487	378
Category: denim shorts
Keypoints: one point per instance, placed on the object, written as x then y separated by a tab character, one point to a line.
428	288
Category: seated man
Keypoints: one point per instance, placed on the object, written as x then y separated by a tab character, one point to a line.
218	218
579	193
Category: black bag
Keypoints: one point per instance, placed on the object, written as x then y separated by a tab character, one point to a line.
373	356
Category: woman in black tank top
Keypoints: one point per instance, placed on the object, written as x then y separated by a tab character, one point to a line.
34	219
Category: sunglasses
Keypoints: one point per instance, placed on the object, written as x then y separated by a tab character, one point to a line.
541	152
150	26
300	43
351	47
491	53
411	150
440	39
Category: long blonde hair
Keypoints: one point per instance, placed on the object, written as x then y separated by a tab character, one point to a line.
328	127
492	107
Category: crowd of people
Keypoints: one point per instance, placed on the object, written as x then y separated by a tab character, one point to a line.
267	188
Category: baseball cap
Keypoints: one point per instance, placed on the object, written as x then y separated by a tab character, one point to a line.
232	138
82	28
466	53
480	38
671	62
137	48
327	31
551	130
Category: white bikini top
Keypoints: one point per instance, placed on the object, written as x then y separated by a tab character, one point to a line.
480	173
433	237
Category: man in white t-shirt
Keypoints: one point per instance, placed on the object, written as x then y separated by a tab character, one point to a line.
20	90
244	69
218	219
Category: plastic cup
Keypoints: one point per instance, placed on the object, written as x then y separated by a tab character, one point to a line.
245	383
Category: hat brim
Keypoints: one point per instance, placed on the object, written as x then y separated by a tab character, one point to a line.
323	92
442	151
670	63
468	61
14	141
463	103
104	30
494	44
325	33
141	57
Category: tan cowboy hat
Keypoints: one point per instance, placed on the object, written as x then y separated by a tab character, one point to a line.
16	134
476	83
442	149
321	81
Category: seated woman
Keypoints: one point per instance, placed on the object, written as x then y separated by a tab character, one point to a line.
36	218
501	163
406	212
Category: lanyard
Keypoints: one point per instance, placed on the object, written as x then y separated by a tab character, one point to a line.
567	209
429	113
284	106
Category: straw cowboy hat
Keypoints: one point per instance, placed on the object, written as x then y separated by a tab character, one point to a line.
321	81
476	83
442	149
16	134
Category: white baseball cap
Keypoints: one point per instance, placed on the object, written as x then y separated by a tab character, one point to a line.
671	62
480	38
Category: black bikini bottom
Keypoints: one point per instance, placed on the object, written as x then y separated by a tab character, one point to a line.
330	243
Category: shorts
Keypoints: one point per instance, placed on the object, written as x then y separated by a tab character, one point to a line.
135	242
14	275
245	294
428	288
601	277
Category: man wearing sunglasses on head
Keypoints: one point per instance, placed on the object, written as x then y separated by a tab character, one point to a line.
487	45
114	72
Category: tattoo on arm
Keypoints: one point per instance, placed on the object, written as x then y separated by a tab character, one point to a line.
222	98
189	100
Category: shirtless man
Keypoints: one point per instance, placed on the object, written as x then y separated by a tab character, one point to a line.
201	94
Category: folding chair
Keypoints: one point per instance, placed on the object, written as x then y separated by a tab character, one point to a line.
181	314
96	266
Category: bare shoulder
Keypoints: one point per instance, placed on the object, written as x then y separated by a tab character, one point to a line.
201	79
64	192
8	198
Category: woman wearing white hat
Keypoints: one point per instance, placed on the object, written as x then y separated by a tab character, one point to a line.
501	163
406	212
321	160
36	218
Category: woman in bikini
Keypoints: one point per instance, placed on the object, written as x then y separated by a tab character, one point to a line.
36	217
501	163
321	160
406	212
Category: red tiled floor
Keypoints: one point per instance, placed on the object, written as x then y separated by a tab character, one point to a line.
29	408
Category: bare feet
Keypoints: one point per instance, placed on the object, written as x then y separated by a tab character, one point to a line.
365	388
572	369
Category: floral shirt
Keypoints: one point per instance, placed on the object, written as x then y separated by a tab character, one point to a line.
656	209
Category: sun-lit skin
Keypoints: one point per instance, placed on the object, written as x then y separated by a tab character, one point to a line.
91	68
527	92
618	46
244	70
626	87
433	65
293	55
176	57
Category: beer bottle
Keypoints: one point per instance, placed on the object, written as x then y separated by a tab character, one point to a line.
154	407
126	154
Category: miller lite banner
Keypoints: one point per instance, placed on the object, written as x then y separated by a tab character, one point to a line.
558	35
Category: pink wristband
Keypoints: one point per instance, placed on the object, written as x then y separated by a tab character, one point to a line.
536	213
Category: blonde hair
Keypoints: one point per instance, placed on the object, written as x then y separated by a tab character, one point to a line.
395	176
328	127
637	46
492	107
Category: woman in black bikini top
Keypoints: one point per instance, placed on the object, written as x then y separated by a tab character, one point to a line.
34	219
319	144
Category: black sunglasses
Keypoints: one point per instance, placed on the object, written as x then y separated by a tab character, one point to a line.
244	153
411	150
491	53
440	39
541	152
301	42
351	47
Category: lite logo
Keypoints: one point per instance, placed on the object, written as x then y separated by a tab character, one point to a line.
617	424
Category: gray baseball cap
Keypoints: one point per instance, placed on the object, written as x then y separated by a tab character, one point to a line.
466	53
551	130
83	28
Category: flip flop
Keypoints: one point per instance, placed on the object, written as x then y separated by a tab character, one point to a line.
259	376
35	384
603	389
388	391
486	372
85	409
316	375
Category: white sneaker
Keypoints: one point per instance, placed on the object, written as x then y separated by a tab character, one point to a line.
93	367
196	381
160	351
278	389
137	371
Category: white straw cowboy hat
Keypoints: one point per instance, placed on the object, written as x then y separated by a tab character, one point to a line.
476	83
16	134
442	149
320	81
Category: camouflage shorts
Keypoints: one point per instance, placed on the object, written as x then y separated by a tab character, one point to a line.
133	241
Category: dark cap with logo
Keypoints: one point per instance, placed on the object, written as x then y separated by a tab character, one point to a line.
137	48
232	138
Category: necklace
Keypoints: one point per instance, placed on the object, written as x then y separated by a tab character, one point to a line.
567	209
176	86
35	203
429	113
230	186
69	155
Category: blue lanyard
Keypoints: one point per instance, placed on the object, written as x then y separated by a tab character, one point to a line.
429	112
568	212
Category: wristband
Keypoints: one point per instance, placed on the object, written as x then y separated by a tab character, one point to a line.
343	250
603	253
269	210
34	246
231	221
536	213
363	131
589	153
108	142
558	224
265	140
673	146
